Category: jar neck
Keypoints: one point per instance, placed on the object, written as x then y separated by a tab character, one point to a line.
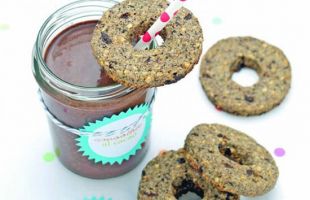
76	12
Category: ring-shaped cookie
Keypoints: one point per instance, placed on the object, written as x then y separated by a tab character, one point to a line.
229	56
169	176
231	160
113	38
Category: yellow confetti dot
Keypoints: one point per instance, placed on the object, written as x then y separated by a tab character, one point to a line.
4	27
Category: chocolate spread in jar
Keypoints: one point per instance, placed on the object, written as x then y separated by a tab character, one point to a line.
69	57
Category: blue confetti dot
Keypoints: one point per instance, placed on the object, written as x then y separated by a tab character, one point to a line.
217	21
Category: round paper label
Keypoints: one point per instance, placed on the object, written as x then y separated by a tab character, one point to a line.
113	140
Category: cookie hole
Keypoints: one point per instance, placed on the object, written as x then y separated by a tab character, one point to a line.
139	31
157	42
188	190
245	72
190	196
160	40
233	153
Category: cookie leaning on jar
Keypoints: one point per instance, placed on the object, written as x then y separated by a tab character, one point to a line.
113	39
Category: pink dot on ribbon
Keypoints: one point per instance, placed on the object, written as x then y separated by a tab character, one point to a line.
164	17
157	33
279	152
175	13
146	37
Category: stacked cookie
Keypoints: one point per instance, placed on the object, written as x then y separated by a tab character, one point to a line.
217	162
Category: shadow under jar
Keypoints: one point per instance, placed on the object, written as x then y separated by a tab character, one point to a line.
76	91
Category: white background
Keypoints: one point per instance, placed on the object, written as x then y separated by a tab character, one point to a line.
179	107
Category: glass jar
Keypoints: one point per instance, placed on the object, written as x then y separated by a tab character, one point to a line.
97	132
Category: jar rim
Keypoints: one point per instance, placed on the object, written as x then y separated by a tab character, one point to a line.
66	88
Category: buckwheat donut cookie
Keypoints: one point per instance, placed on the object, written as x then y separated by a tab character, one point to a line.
168	176
231	55
231	160
113	39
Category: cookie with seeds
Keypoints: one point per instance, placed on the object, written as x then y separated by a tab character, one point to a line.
168	176
231	160
119	28
231	55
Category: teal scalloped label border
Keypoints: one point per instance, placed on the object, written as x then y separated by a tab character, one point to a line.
83	142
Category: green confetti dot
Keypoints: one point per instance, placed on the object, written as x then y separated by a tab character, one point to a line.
4	27
49	157
217	21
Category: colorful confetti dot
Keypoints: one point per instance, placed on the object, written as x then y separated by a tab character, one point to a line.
4	27
49	157
217	21
279	152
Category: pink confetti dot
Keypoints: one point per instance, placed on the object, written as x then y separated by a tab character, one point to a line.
279	152
164	17
182	0
146	37
175	13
